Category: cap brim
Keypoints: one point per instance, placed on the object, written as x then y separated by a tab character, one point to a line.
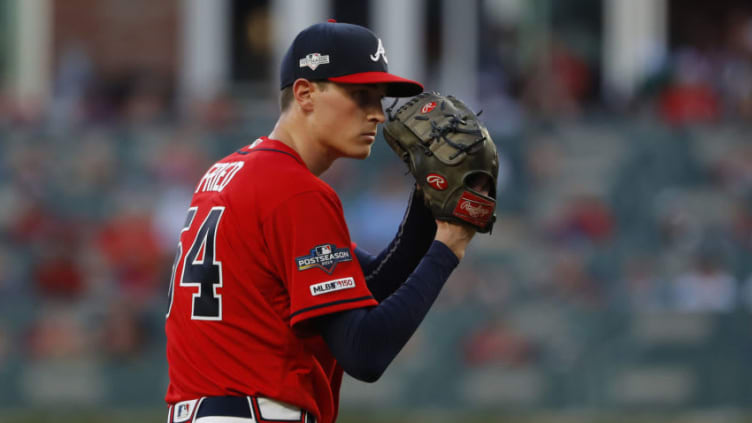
396	86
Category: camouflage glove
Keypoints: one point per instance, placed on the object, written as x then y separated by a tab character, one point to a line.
448	151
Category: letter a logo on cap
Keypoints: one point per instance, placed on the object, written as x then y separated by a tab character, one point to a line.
380	52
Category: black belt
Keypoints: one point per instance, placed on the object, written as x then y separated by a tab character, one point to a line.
225	406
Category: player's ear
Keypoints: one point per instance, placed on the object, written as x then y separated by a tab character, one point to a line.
302	89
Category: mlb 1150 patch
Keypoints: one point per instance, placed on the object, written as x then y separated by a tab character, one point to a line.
324	257
332	286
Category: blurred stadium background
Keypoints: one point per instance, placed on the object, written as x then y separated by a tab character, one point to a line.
616	285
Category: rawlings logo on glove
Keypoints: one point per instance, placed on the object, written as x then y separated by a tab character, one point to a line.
450	154
436	181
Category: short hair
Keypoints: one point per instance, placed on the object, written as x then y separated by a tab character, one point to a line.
286	96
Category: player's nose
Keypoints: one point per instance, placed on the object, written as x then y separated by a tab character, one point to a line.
375	111
376	114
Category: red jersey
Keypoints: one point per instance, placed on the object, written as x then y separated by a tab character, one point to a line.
264	248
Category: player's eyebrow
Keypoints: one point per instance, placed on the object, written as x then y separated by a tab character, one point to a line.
380	88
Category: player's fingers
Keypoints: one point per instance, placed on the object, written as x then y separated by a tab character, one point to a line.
461	230
480	182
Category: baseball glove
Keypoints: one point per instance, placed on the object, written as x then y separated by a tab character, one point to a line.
448	151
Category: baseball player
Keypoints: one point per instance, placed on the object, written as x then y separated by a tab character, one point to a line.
270	299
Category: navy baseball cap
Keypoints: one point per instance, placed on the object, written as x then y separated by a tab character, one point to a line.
343	53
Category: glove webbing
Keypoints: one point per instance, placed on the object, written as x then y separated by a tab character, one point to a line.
451	127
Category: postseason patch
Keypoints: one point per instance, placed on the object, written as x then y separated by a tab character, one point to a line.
332	286
324	256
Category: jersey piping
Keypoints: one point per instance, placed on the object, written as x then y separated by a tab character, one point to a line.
395	245
333	303
257	149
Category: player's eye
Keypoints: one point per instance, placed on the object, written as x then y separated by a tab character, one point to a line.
366	98
361	96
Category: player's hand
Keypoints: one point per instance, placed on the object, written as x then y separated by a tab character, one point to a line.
456	236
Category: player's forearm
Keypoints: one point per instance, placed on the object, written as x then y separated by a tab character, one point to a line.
365	341
386	272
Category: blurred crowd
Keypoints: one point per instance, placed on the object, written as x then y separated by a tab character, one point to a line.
93	190
704	77
648	213
708	80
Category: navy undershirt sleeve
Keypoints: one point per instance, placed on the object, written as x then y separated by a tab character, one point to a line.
365	340
385	272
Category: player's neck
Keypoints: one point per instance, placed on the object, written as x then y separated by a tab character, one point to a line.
289	133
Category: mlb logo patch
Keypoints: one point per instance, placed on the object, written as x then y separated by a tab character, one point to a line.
183	411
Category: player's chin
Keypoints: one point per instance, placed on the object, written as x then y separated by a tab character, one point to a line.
361	153
359	150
